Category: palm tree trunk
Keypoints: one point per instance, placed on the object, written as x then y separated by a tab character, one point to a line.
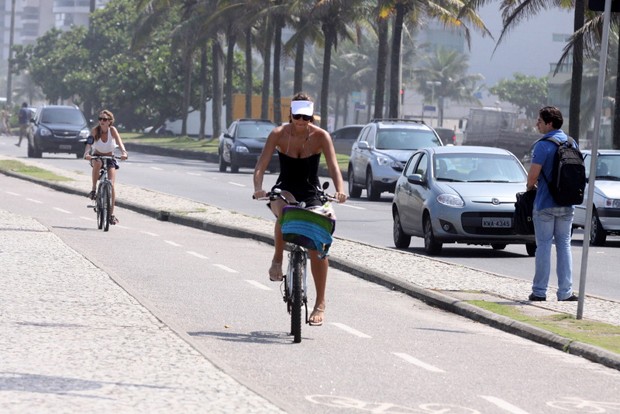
330	35
277	53
264	108
230	65
187	87
397	35
382	59
299	65
615	140
203	90
218	76
575	90
248	73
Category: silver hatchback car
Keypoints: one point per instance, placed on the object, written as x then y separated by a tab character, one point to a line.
606	200
459	194
381	151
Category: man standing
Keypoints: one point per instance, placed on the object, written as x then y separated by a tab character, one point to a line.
23	117
552	222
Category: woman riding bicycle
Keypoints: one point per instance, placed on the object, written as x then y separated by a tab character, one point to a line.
103	139
300	144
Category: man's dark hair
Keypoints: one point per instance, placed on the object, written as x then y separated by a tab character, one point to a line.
551	114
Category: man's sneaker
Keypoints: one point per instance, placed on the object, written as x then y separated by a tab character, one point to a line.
535	298
571	298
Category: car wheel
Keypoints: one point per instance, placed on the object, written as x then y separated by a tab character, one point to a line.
234	168
372	193
401	240
33	152
223	164
431	245
597	232
498	246
354	192
78	155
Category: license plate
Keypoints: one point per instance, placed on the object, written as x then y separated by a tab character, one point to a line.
64	146
497	222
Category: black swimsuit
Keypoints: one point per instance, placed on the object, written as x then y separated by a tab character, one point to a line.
300	176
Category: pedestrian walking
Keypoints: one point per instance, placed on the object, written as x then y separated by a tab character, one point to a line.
552	222
23	118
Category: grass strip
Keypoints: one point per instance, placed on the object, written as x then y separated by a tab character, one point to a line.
36	172
586	331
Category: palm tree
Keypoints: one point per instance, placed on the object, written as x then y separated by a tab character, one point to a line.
444	74
513	13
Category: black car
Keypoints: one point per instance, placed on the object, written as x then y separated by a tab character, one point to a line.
57	129
242	143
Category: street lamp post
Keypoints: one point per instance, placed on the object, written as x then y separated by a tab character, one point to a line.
432	84
9	77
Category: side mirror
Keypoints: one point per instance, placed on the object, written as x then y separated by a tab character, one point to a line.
227	135
415	179
363	145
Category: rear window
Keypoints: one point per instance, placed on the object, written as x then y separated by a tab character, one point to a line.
406	139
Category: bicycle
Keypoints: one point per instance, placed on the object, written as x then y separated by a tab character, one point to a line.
302	229
103	195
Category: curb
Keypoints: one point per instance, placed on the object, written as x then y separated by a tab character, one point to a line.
429	297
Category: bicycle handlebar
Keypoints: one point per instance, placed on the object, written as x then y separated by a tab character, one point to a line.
277	194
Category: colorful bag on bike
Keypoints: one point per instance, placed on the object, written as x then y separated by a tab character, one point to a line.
308	229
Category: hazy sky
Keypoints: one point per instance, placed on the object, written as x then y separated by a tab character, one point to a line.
528	48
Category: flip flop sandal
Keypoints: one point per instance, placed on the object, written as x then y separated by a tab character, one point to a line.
315	311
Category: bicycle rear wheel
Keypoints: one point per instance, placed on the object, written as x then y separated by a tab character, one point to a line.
106	204
297	267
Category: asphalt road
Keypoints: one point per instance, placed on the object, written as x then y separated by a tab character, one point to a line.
361	220
379	351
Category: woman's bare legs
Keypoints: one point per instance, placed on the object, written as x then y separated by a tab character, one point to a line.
319	269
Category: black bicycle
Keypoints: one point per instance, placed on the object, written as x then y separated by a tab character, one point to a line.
103	195
302	229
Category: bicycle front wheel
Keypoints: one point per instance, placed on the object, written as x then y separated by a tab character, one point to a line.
298	268
106	204
99	209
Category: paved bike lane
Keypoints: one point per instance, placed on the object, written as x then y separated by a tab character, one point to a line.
66	317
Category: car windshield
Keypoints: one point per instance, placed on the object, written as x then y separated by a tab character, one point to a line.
492	168
406	139
607	167
254	130
62	116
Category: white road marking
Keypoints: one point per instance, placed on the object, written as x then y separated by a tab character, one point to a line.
350	330
194	174
237	184
35	201
351	206
157	168
148	233
87	218
258	284
170	242
225	268
62	210
120	226
198	255
12	193
506	406
417	362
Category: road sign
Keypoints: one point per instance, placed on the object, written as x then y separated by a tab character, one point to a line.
429	108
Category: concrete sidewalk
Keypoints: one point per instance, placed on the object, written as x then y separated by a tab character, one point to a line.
438	283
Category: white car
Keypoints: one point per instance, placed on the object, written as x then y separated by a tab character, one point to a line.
606	200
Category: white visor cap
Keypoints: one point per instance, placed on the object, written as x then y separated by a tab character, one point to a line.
302	108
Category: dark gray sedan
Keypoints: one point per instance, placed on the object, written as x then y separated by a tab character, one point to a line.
459	195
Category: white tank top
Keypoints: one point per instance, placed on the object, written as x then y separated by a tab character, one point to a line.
105	147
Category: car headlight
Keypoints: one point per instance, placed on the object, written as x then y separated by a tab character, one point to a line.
450	200
44	132
241	148
611	203
84	133
388	161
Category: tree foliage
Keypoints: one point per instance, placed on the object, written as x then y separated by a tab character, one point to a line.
527	92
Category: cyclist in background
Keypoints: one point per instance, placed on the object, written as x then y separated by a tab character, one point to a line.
103	139
299	144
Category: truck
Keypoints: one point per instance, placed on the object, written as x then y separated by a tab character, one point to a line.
493	127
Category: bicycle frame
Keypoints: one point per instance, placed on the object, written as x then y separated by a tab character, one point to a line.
103	195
